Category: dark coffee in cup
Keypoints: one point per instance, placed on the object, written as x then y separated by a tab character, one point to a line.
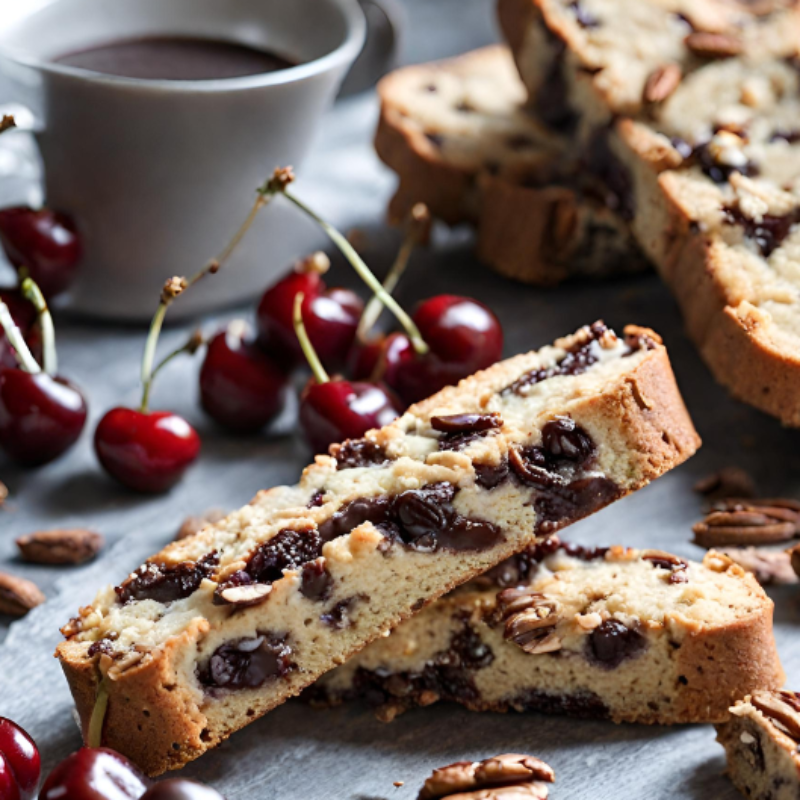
175	58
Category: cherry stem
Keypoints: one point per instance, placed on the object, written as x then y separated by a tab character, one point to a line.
7	123
190	346
94	735
317	370
417	227
31	292
177	286
17	341
364	273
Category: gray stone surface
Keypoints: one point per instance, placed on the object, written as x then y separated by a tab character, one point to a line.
296	752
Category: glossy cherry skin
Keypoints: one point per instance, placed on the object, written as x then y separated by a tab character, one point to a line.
94	774
338	410
45	242
20	765
24	314
380	357
464	336
330	316
241	387
181	789
148	452
41	417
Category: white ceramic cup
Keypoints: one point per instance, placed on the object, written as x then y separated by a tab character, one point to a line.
159	174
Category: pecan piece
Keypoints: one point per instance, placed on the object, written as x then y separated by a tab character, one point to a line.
60	546
737	521
794	556
713	45
661	83
728	482
194	524
530	620
507	776
18	595
466	423
768	566
661	559
782	709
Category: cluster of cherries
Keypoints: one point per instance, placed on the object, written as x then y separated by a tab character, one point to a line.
244	377
88	774
41	414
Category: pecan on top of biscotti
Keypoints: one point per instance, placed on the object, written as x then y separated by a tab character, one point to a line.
220	627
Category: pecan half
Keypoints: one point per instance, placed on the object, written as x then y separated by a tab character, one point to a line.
661	559
60	546
194	524
737	521
728	482
782	709
18	595
661	83
794	557
713	45
768	566
506	776
530	620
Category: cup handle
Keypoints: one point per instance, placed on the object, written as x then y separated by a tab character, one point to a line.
385	23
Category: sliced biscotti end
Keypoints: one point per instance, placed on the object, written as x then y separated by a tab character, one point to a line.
762	745
233	621
631	635
446	122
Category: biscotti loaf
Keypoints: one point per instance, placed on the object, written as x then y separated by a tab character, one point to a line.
217	629
628	635
688	112
762	745
460	139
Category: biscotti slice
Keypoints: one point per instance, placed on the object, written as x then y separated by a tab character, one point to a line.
217	629
461	140
706	167
628	635
762	745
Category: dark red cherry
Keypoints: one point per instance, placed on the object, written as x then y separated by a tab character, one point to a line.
241	387
380	358
338	410
181	789
464	336
45	242
148	451
19	762
94	774
40	416
331	316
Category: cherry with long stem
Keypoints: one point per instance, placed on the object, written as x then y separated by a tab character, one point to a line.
333	410
41	415
279	184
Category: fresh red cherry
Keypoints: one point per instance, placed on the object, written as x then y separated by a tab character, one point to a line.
94	774
41	416
335	410
241	387
45	242
20	765
181	789
380	358
464	336
338	410
331	315
146	451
